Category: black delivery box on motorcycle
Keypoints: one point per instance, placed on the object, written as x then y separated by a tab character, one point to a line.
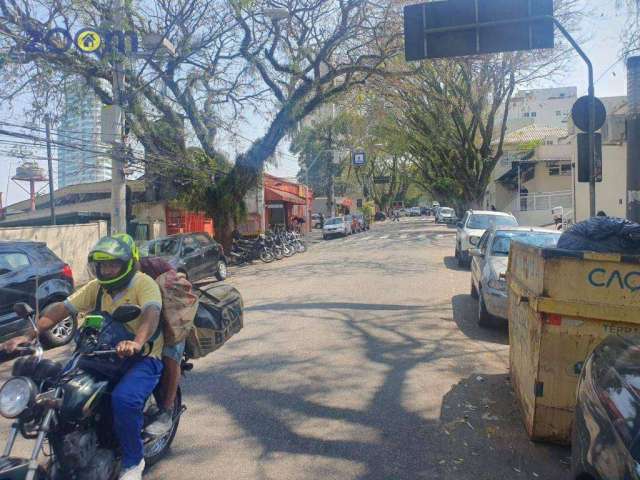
220	316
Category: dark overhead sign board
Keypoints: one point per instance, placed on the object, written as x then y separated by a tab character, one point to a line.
453	28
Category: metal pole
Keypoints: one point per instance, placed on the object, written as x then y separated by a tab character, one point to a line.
633	139
592	116
52	201
118	181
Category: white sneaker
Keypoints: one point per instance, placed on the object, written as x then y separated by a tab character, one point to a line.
133	473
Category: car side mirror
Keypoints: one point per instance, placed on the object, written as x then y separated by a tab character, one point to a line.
476	252
126	313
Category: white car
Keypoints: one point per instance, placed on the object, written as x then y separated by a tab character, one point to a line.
489	266
472	227
336	226
445	215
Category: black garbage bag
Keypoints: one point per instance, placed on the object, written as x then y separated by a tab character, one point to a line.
603	235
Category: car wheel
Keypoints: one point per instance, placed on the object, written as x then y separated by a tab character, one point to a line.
61	334
221	270
461	262
474	290
484	318
457	253
324	237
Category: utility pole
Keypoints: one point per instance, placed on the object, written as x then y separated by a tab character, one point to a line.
52	200
633	139
118	181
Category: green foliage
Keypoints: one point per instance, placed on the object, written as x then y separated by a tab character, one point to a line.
369	209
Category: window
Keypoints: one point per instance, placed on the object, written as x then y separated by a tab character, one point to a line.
13	262
189	245
565	169
485	221
554	170
203	239
482	244
359	203
526	114
533	114
502	241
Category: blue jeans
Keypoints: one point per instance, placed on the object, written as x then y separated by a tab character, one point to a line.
127	403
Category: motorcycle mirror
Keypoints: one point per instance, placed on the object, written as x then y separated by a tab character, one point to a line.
23	310
126	313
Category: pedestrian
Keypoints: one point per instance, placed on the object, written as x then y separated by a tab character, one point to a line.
396	215
321	220
493	208
601	213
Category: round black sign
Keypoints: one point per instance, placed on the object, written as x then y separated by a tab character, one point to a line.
580	114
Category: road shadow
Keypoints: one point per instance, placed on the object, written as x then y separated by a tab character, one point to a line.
465	314
452	264
481	416
293	418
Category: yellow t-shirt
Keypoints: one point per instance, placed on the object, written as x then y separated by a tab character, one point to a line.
142	291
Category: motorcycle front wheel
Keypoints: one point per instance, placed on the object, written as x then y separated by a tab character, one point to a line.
288	251
266	256
301	247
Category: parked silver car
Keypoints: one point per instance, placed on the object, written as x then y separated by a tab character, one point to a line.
336	226
489	265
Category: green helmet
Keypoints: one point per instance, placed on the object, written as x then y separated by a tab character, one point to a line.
121	248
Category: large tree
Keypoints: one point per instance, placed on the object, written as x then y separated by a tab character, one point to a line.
281	58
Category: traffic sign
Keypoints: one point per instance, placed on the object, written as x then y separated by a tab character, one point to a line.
580	114
381	180
454	28
359	158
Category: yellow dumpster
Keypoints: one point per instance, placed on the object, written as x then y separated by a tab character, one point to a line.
562	304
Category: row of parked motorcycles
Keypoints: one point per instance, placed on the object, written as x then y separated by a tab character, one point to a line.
266	247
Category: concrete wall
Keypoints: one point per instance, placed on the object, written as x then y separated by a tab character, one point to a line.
611	192
543	182
154	215
71	243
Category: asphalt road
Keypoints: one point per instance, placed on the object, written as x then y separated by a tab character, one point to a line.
360	359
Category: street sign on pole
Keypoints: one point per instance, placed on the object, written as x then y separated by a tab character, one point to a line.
580	113
381	180
584	160
454	28
359	158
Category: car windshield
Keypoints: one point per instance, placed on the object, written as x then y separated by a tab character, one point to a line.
502	241
484	222
333	221
163	247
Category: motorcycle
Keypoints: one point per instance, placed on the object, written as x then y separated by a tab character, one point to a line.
67	407
243	251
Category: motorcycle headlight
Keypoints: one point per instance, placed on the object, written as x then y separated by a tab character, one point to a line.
16	395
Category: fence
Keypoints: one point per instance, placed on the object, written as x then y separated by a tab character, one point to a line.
540	201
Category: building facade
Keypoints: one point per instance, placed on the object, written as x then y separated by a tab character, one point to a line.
80	158
549	107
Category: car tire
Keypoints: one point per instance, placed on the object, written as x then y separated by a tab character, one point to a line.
474	291
324	237
61	334
484	317
221	270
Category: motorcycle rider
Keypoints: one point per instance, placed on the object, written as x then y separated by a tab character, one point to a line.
113	260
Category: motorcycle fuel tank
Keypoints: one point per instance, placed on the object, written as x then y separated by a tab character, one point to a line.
81	396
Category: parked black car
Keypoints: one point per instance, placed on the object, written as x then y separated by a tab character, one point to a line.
380	217
606	430
26	268
195	254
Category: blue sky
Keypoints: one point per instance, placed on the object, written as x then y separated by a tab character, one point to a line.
601	28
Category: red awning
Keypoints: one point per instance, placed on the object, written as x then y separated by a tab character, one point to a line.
346	202
272	195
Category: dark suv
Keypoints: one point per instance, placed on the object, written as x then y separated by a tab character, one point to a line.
196	254
27	267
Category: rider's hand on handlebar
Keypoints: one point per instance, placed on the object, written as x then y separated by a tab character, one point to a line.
128	348
11	345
